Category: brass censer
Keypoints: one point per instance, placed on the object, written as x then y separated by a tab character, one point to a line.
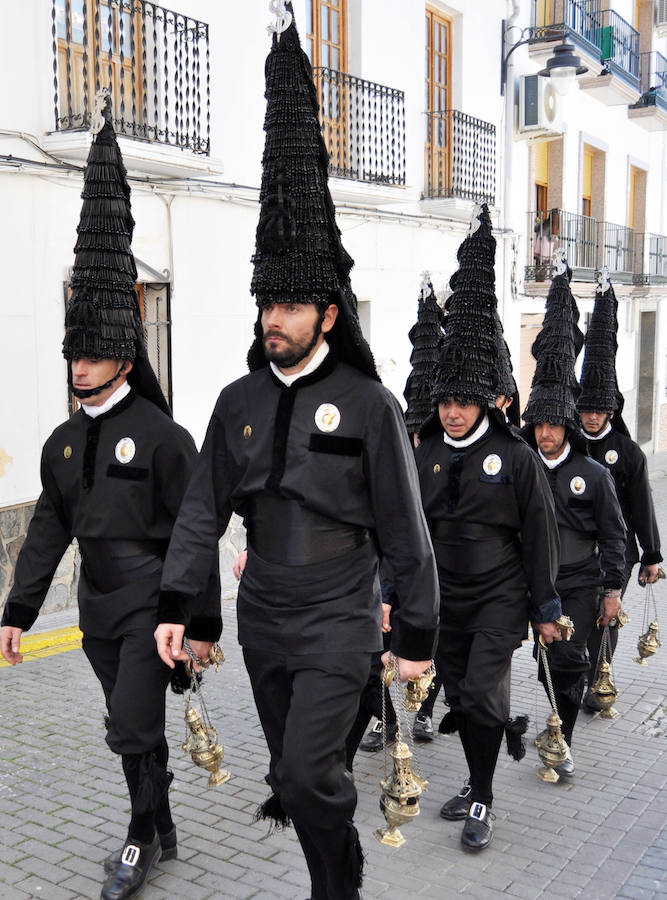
402	787
551	746
649	641
202	745
604	690
201	740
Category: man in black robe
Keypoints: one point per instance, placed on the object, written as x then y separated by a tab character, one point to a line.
492	523
590	523
600	407
311	450
113	477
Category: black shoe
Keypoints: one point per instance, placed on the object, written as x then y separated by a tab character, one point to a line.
566	769
478	829
373	740
422	730
590	703
168	845
457	807
130	876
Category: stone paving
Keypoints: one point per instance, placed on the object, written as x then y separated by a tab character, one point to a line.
603	835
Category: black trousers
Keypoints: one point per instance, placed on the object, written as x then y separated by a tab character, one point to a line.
568	660
134	680
595	637
475	668
307	705
370	705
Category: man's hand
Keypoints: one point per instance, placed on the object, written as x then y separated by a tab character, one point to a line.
202	649
407	668
549	631
386	612
10	644
648	574
169	640
239	565
612	604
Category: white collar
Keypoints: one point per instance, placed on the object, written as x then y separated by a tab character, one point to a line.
481	430
315	362
597	437
118	395
562	456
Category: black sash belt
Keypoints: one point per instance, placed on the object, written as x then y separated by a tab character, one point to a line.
285	532
575	547
472	548
113	564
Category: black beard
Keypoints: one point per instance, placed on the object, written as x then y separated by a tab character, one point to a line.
291	356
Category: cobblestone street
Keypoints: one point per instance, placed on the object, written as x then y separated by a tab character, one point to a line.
602	835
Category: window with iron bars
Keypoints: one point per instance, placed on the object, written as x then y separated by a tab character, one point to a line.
155	62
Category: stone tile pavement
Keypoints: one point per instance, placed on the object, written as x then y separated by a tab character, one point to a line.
603	835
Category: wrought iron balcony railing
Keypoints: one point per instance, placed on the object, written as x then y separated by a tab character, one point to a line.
460	157
551	230
650	259
601	31
155	61
616	245
364	127
653	79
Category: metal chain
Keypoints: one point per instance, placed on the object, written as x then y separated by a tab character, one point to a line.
547	673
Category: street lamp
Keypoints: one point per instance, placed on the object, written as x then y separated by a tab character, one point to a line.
563	68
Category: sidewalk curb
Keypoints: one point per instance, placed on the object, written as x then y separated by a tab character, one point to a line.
48	643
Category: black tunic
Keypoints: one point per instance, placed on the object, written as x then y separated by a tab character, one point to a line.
266	438
492	494
587	508
108	491
627	465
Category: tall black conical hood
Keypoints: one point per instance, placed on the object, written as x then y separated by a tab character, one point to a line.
555	388
599	386
299	256
425	335
468	356
103	319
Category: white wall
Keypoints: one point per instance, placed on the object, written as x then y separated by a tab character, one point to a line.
206	237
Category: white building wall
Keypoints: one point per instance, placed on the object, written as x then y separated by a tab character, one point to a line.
204	234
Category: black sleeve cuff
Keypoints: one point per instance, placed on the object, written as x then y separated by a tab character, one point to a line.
18	615
173	608
412	643
651	558
547	612
204	628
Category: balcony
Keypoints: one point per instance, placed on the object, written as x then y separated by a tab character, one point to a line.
460	158
651	109
609	44
616	250
650	259
155	61
556	229
363	124
630	257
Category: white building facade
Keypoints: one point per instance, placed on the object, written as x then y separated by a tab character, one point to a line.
419	125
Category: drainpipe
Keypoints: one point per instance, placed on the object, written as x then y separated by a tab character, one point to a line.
514	9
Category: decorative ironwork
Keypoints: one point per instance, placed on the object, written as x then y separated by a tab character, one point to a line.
115	42
363	124
460	157
653	80
599	30
616	245
650	259
556	229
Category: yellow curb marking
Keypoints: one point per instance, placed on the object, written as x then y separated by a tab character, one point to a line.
48	643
